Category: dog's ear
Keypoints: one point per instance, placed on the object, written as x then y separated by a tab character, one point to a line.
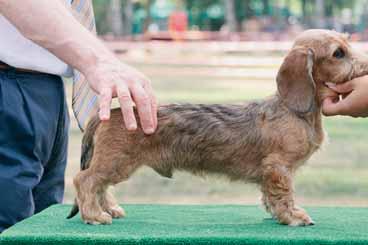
295	82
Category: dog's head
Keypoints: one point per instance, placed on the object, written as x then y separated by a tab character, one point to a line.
317	57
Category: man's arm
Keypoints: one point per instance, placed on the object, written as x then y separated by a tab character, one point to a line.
51	25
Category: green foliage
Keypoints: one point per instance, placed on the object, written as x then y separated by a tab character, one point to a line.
210	15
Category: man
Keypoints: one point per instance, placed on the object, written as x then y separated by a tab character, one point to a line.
40	41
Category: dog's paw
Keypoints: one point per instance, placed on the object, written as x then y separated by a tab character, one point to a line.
300	218
104	218
116	212
295	217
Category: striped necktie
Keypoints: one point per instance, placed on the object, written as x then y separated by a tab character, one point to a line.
84	100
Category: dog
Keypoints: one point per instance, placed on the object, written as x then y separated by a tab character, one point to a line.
262	142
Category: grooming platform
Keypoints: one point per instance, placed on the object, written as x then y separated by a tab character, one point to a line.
191	224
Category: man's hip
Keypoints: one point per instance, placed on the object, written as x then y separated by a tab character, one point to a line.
33	143
6	67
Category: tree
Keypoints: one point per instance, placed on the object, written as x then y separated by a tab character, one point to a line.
304	9
266	7
148	20
115	17
320	13
230	17
128	17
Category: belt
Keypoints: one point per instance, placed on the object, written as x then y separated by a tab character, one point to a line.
4	66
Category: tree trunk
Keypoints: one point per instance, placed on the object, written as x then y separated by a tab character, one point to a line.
304	10
320	13
128	17
114	17
248	9
148	20
230	17
266	7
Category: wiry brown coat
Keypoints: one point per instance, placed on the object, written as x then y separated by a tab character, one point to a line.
262	142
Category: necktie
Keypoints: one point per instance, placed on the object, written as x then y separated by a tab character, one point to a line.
84	99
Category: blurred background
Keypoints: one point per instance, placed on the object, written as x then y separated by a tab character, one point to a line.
229	51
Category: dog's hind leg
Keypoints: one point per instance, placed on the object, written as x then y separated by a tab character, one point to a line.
110	205
266	204
89	189
111	169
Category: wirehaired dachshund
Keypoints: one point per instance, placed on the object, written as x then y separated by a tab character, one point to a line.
262	142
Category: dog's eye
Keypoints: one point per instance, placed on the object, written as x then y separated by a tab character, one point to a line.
339	53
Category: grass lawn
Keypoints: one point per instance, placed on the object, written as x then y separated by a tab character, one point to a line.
336	175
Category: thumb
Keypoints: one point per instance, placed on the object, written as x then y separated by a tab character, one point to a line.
342	88
331	108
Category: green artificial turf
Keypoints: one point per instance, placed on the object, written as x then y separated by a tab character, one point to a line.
194	224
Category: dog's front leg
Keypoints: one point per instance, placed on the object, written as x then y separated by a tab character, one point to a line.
278	192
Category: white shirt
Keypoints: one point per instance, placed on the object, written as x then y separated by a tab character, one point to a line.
20	52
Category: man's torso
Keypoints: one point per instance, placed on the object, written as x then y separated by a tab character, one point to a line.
19	52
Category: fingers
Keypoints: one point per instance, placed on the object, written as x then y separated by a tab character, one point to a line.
342	88
131	87
144	107
326	92
105	103
333	108
143	98
336	106
126	106
148	88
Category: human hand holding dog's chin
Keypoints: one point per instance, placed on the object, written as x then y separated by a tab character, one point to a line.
112	78
354	101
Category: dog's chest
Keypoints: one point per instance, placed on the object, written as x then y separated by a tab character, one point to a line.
316	140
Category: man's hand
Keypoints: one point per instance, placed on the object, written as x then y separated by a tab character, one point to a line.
52	26
354	101
112	78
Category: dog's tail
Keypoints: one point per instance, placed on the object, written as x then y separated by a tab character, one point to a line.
87	153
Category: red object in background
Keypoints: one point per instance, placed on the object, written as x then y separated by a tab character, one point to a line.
178	21
178	25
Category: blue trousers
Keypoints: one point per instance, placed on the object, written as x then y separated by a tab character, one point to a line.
34	125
